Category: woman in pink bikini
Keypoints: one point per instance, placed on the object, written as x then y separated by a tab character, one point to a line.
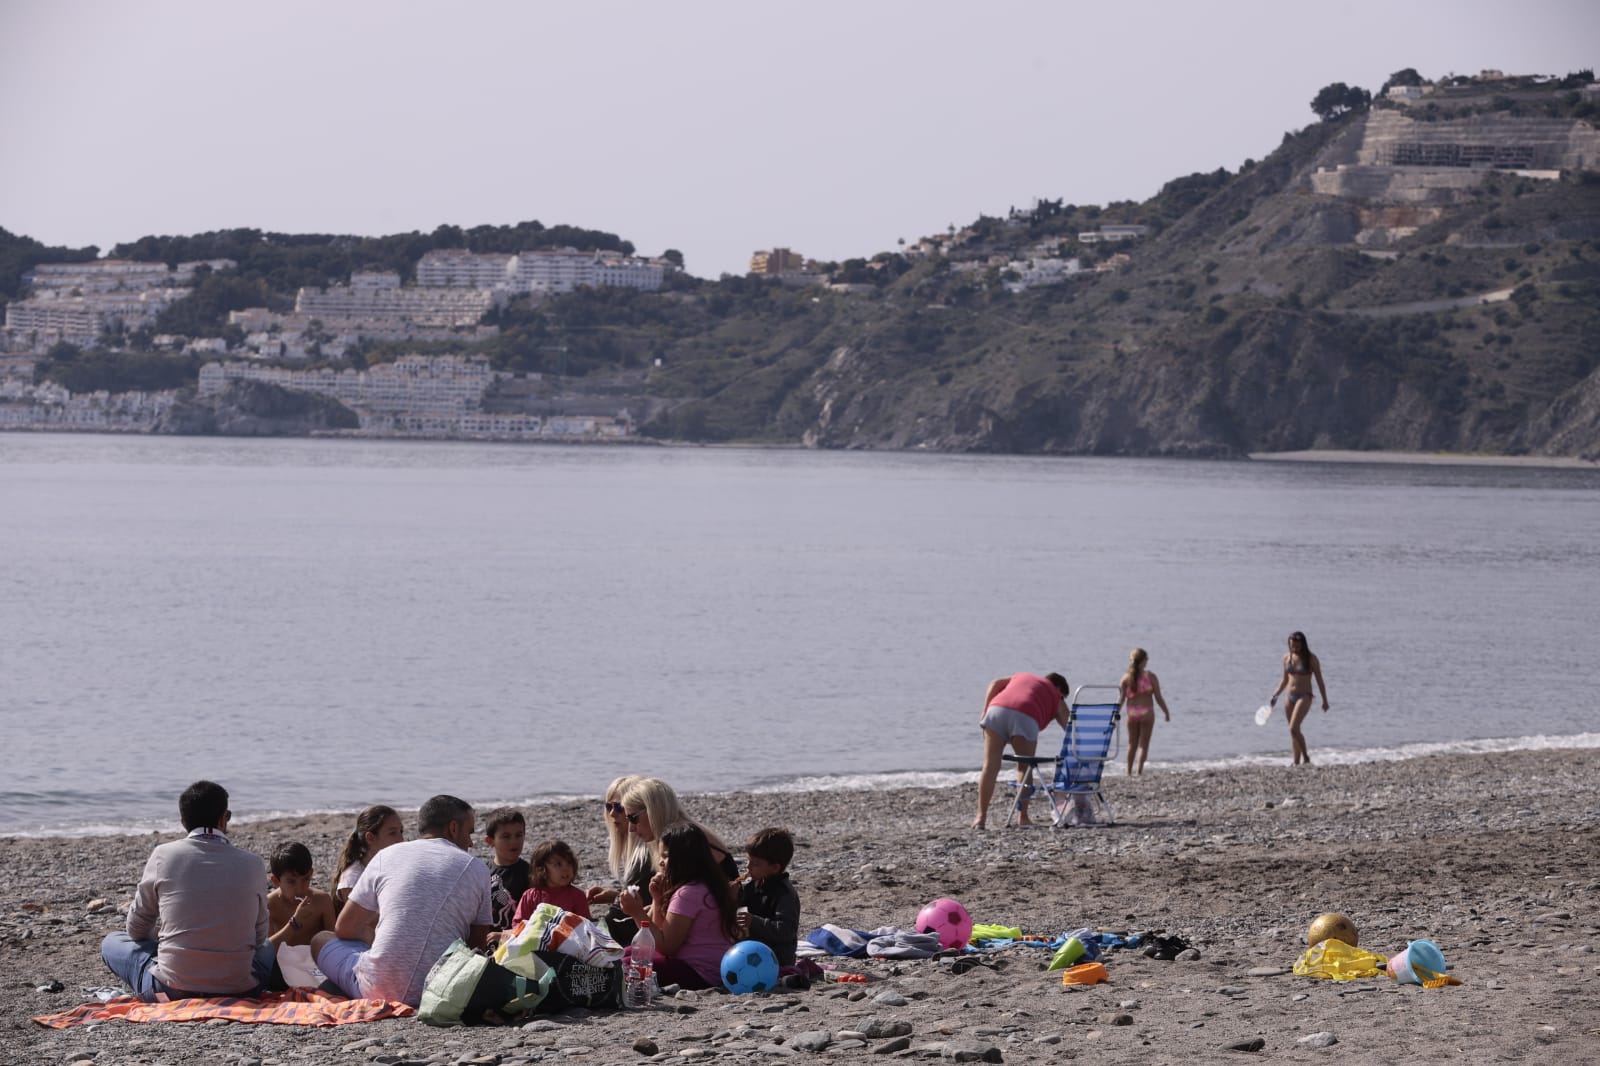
1141	691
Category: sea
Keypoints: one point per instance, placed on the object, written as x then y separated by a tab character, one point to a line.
324	624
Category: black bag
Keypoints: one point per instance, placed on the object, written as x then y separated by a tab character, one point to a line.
577	984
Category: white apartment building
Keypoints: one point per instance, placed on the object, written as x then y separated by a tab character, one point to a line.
44	322
1032	273
543	272
623	272
461	269
377	296
554	272
112	275
411	385
1113	233
420	395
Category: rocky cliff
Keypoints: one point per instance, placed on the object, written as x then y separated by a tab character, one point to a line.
1400	307
256	409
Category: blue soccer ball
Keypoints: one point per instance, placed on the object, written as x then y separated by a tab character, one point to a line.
749	966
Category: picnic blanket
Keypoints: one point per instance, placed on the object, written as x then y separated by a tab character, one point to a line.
298	1006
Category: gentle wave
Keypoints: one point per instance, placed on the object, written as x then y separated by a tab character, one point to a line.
932	779
1325	756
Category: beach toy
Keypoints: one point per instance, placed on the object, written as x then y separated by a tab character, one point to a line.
1420	963
1088	973
749	966
1333	926
948	920
1067	954
1263	712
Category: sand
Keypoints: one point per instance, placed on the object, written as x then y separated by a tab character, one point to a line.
1494	857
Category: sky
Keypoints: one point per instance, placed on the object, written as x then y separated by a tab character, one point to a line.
715	127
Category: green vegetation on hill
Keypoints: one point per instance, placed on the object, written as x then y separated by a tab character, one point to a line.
285	262
18	255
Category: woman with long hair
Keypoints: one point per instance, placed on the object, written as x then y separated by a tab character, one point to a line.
649	803
1299	667
622	847
1141	691
692	912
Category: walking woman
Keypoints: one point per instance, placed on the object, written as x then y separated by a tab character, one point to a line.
1299	667
1141	691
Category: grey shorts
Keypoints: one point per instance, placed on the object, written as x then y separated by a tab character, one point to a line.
1007	723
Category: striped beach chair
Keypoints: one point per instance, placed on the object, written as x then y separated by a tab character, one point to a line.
1071	779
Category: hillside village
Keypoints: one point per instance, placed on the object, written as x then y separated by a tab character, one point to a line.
935	343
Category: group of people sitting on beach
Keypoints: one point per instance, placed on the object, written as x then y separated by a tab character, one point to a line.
1017	708
205	921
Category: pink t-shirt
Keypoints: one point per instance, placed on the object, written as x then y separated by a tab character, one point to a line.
703	948
570	898
1031	695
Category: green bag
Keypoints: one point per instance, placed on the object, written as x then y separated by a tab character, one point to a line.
466	988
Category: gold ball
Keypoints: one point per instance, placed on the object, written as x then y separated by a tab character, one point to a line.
1333	926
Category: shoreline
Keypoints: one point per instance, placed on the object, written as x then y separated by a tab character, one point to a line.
1332	455
893	781
1493	856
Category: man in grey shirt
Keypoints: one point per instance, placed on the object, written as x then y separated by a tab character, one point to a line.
198	923
422	895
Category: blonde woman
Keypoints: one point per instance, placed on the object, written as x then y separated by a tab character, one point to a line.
622	849
1141	691
630	861
651	808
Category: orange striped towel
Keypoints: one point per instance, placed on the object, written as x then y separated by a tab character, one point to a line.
298	1006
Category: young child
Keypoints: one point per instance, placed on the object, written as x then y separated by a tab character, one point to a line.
505	831
376	828
555	868
691	910
769	905
295	911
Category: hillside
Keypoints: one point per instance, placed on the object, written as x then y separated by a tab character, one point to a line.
1412	278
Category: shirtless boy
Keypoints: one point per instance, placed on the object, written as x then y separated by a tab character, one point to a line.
295	911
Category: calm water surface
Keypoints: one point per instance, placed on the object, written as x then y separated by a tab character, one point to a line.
325	624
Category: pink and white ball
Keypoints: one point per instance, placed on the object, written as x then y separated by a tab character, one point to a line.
949	920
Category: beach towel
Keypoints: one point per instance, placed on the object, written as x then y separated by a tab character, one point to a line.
298	1006
834	940
1338	961
902	944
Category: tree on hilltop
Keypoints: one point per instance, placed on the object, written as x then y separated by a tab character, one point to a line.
1407	76
1339	99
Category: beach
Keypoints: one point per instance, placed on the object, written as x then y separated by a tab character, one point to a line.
1492	856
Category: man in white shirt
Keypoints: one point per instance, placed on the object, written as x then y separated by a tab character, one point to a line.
422	895
198	923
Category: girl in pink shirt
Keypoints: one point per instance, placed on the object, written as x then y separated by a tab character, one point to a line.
692	910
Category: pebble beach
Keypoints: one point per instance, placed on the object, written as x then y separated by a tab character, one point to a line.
1495	857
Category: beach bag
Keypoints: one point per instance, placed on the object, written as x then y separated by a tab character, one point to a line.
466	988
578	984
551	929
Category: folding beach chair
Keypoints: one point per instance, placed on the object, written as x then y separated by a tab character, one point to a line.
1072	782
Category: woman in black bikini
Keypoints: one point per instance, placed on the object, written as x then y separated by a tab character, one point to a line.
1299	667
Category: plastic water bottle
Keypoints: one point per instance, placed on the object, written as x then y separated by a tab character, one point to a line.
639	987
